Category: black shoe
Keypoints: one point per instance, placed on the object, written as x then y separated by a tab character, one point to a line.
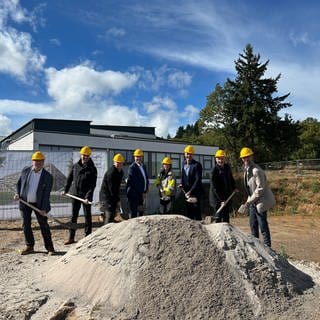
27	250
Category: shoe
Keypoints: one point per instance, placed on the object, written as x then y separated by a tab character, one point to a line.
51	253
27	250
70	241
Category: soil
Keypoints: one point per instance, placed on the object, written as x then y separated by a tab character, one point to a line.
295	237
163	267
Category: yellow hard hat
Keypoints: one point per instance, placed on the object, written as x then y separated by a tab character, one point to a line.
85	151
138	153
189	149
118	158
245	152
166	160
38	156
220	154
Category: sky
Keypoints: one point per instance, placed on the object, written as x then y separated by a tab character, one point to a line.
148	63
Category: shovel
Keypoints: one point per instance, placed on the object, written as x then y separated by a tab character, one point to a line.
189	199
69	225
224	204
78	198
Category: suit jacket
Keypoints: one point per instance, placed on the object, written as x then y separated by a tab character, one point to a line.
192	182
135	182
43	190
256	185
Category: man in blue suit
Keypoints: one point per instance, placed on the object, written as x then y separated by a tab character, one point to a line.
191	183
34	186
137	184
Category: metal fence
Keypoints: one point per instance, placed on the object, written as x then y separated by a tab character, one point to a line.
59	165
297	167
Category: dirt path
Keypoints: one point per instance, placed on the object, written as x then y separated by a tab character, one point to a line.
296	237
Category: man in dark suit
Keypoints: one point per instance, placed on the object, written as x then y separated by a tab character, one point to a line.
191	183
34	186
137	184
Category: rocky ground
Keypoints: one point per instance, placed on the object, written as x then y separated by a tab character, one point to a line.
154	267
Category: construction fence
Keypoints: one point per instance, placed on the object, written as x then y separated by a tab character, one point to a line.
59	165
297	167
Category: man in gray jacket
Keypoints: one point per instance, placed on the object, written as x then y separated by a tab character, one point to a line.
260	197
34	187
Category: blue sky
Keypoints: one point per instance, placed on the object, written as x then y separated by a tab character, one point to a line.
148	63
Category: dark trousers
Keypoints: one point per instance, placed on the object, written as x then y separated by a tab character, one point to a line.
223	215
166	206
76	205
259	220
44	227
194	210
136	206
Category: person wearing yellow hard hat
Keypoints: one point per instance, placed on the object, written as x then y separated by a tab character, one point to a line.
81	183
191	183
109	195
137	185
166	182
222	186
259	196
33	188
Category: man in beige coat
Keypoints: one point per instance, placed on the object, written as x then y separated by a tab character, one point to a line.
260	197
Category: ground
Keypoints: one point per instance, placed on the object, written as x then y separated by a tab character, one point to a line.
295	236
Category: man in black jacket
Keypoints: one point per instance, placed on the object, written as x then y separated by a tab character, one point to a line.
110	191
34	186
81	182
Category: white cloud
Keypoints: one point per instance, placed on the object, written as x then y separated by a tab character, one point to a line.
191	113
303	85
161	77
115	32
118	115
179	79
56	42
158	103
17	57
11	9
82	85
5	124
17	107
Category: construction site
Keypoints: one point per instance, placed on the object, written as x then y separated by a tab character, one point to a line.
155	267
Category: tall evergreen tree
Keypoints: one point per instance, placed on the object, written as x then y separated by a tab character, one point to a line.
246	109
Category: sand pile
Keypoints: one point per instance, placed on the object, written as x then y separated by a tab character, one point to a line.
169	267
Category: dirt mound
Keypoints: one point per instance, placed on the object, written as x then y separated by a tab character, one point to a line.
170	267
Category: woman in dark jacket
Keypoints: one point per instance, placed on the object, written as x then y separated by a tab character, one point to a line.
221	187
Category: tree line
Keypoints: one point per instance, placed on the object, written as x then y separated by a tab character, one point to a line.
245	112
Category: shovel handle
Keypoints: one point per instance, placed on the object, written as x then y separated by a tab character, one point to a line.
32	206
77	198
225	202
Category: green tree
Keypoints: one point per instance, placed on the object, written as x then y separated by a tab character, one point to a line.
246	110
309	139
